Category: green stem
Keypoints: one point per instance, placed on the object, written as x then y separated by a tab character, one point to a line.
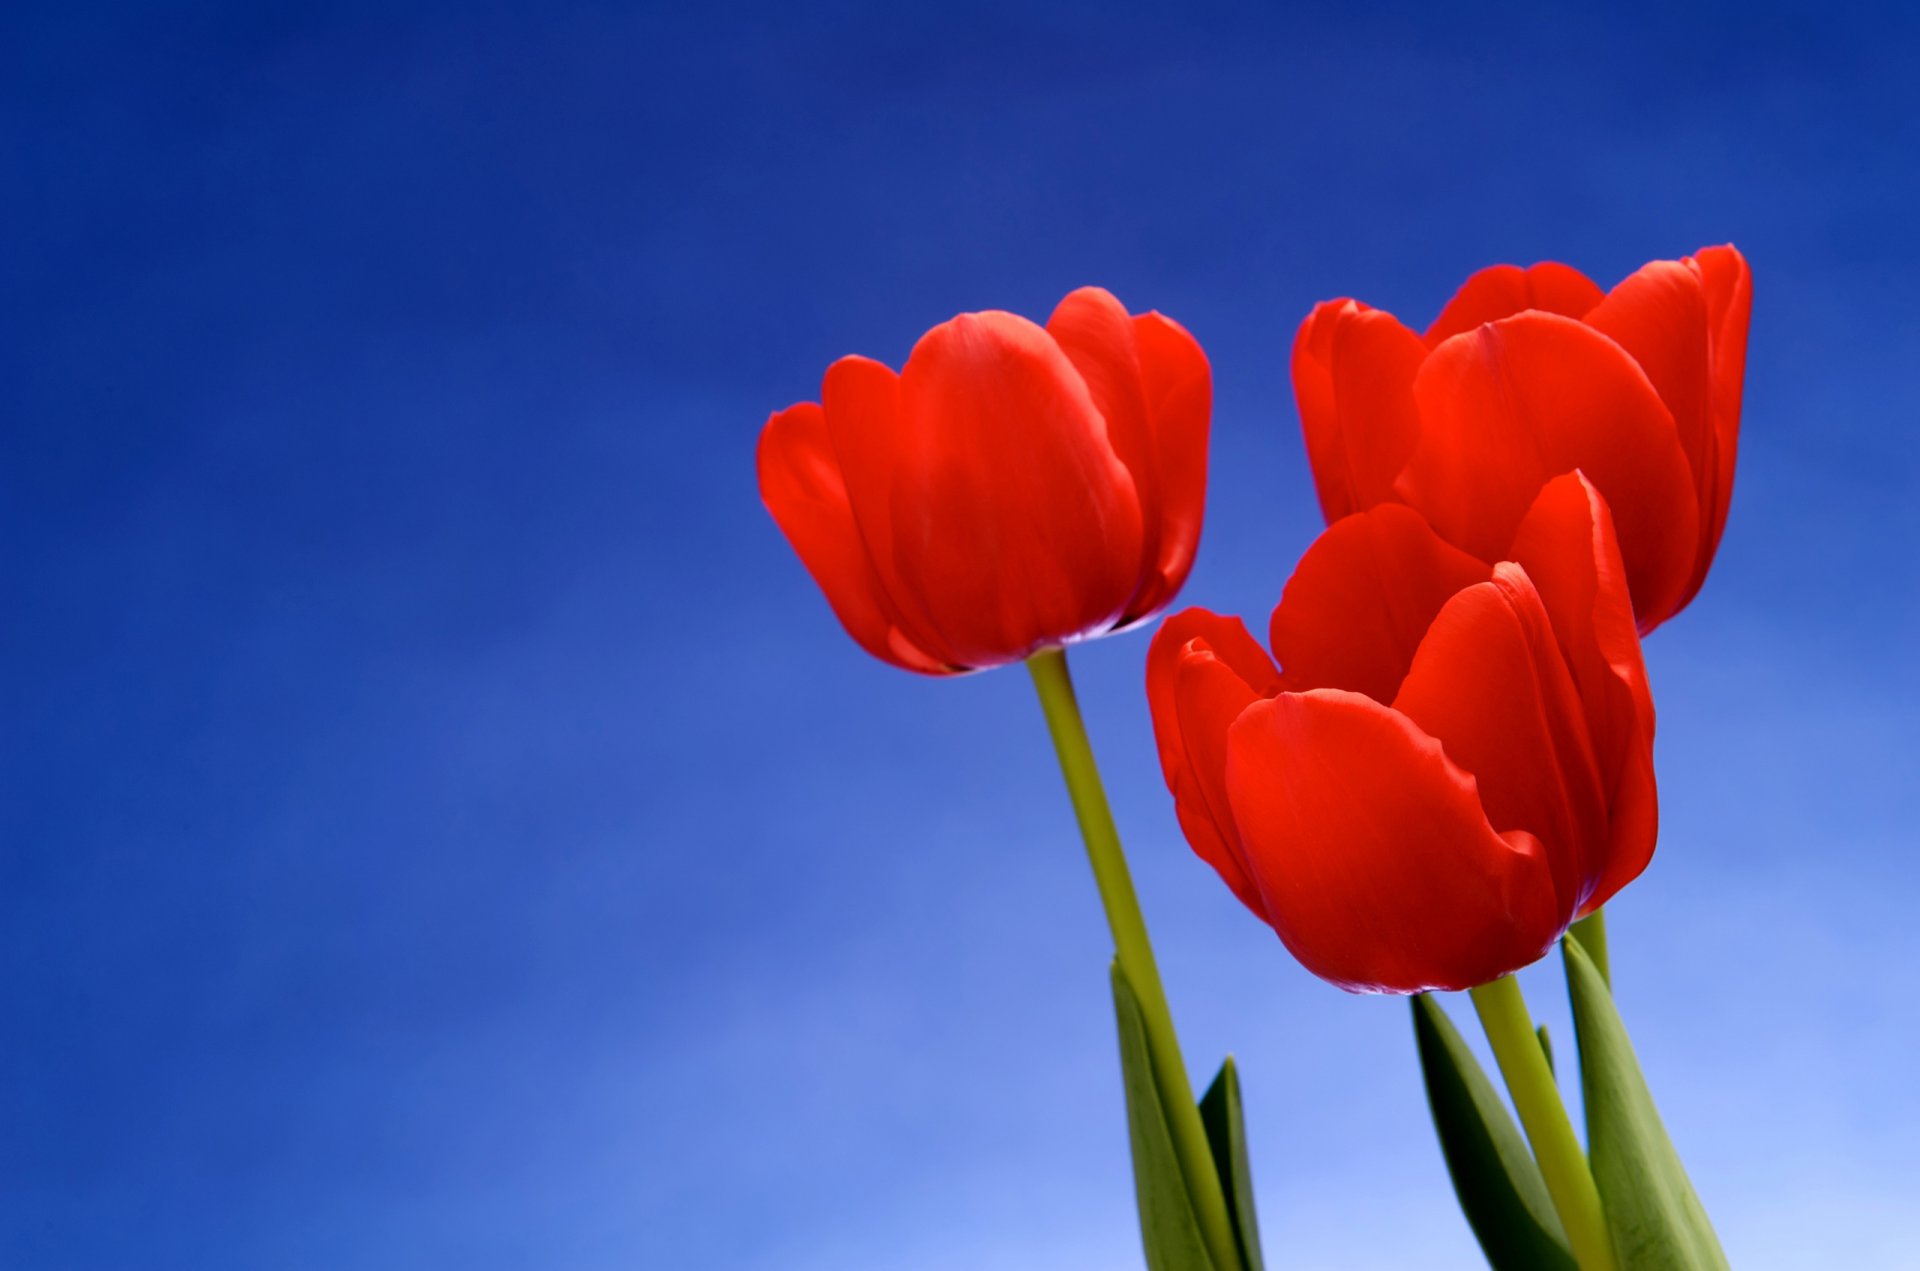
1503	1013
1591	932
1055	686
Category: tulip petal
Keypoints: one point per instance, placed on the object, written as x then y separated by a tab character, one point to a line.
1729	287
1658	315
1178	384
1202	671
993	501
861	398
1096	333
1361	600
1566	544
1510	405
1353	373
800	483
1379	870
1504	290
1489	683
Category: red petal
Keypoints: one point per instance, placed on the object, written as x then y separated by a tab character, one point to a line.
801	485
1362	598
1353	372
1178	384
1489	682
1377	866
1096	333
1509	406
1566	545
1504	290
1729	287
993	503
861	399
1202	671
1659	316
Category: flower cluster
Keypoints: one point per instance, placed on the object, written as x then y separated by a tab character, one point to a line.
1448	757
1442	757
1454	758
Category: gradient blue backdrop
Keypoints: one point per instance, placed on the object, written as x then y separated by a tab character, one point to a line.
442	824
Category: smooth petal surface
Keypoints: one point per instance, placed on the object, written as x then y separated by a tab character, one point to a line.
1489	683
1096	333
1566	545
860	399
1659	316
1511	405
1177	383
1729	288
993	502
1378	867
1504	290
1353	374
1361	600
1202	671
801	485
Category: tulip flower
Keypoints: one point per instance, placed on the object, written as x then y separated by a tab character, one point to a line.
1013	488
1528	374
1451	760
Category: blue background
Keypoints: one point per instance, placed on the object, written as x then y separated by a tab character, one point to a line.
442	824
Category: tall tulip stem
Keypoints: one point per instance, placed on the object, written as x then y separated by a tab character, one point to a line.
1536	1096
1055	687
1591	932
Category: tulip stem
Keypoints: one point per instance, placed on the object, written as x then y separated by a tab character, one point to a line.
1591	932
1536	1096
1055	687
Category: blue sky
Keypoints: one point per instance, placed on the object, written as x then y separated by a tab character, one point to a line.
445	827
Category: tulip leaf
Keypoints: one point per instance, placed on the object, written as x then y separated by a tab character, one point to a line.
1169	1231
1546	1047
1657	1221
1227	1136
1494	1175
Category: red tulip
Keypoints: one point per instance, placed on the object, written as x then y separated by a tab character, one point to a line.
1527	374
1453	762
1014	487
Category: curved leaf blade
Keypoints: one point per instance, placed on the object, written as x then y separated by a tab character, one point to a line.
1169	1232
1658	1223
1227	1136
1494	1175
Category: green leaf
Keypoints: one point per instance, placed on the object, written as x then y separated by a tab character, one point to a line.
1494	1176
1546	1047
1658	1223
1227	1136
1169	1231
